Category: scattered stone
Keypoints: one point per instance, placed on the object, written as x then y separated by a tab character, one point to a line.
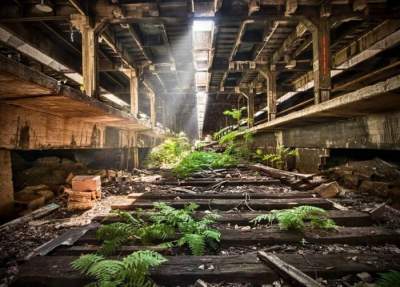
202	267
365	277
328	190
245	228
200	283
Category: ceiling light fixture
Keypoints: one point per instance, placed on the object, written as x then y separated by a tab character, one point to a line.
42	7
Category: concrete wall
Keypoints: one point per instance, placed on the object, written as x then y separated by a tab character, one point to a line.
375	131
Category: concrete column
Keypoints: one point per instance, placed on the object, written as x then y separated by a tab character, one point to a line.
134	92
250	108
89	53
6	184
153	112
270	75
135	151
320	29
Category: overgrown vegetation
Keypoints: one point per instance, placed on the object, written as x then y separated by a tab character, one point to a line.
131	271
278	159
201	160
295	218
236	114
170	152
389	279
165	223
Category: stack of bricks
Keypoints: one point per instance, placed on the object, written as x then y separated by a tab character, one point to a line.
86	189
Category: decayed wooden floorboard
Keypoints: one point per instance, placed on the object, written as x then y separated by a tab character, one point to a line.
342	218
184	270
226	204
220	195
230	182
271	236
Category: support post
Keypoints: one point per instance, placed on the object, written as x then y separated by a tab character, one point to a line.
250	108
6	184
270	75
153	112
135	151
134	92
320	29
90	34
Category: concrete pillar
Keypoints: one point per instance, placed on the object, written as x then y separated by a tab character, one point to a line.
153	112
135	151
89	35
250	108
134	92
320	29
270	75
6	184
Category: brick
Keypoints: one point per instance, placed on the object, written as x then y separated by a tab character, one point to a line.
86	183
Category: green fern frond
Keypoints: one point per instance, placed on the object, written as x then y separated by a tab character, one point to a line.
131	271
294	218
84	262
127	217
196	243
389	279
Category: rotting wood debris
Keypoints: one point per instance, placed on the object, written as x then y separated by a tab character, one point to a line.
362	243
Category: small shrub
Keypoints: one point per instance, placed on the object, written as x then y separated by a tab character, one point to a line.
200	160
294	218
170	152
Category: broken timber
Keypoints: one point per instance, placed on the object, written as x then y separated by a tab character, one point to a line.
226	204
271	236
183	270
288	271
342	218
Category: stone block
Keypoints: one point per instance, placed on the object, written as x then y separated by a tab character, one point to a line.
328	190
86	183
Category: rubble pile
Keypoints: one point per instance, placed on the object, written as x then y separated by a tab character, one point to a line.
376	177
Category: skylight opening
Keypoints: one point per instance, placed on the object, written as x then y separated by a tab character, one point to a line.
203	25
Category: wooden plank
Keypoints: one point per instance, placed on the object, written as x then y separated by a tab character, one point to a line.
227	204
221	195
230	182
272	236
184	270
288	271
349	218
278	173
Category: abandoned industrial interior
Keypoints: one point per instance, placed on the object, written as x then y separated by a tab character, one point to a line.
201	143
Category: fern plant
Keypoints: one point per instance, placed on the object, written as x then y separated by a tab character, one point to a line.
389	279
170	152
131	271
163	224
235	114
294	218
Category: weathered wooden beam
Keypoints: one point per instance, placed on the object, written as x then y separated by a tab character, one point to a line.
222	204
289	272
184	270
